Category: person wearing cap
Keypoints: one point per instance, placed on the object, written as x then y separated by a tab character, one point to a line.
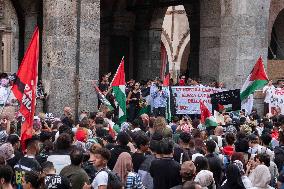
52	180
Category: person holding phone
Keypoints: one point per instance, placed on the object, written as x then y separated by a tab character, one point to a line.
159	96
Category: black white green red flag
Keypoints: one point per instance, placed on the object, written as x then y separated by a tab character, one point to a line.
118	88
256	80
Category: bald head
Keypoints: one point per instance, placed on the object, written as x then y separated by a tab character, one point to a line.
218	131
67	109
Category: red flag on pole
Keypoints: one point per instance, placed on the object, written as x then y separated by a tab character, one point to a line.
205	113
24	87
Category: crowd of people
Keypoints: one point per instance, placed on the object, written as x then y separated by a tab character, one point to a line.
246	152
145	152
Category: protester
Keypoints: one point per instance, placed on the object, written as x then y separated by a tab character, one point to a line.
28	162
214	162
124	169
165	171
6	176
31	180
134	96
142	142
159	96
234	179
60	158
122	142
100	158
149	151
74	172
52	180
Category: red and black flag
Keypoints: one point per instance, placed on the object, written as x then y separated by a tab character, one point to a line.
25	84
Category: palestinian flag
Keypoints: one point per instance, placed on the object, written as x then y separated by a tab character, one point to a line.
103	98
118	88
166	86
206	117
256	80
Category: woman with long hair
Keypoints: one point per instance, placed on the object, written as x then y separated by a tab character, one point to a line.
124	169
234	178
133	98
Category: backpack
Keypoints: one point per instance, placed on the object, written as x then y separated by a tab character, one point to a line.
114	181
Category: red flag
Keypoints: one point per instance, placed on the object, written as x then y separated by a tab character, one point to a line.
24	87
205	113
166	81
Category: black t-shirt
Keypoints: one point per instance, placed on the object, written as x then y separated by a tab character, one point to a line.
24	165
103	87
137	160
165	173
13	161
56	182
136	95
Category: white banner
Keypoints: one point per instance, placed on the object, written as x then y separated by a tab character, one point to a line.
187	98
277	99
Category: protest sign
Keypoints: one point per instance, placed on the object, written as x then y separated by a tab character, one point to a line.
187	98
277	100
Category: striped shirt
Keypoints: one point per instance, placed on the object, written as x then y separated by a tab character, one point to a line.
133	181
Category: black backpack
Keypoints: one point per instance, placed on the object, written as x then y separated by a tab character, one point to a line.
114	181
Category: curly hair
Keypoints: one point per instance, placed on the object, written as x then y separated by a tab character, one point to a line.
159	124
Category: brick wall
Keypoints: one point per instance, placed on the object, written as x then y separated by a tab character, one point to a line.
275	69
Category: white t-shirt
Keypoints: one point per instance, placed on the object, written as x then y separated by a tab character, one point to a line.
101	179
269	90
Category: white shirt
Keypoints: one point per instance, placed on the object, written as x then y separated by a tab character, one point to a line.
101	179
268	90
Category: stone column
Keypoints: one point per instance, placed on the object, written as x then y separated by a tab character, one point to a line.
154	67
233	36
209	40
89	55
31	14
141	54
244	38
59	53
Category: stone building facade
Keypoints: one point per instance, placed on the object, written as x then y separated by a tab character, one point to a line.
81	39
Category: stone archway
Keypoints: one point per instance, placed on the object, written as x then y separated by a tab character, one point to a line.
276	48
176	36
275	62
